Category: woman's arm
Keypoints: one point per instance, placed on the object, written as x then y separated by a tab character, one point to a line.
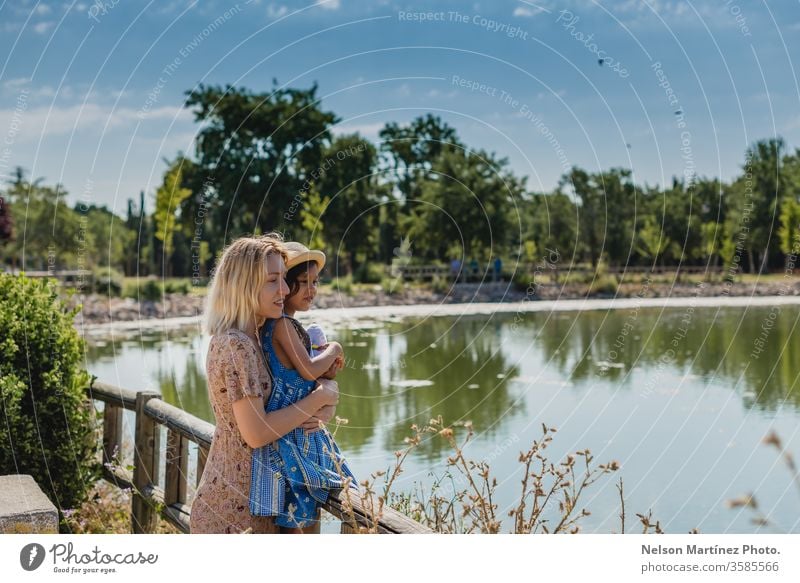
288	343
259	428
323	416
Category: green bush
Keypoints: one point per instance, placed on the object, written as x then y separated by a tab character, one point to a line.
180	286
369	273
522	280
47	427
151	290
393	285
343	285
108	281
440	284
604	285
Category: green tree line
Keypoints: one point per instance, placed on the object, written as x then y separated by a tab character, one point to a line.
270	161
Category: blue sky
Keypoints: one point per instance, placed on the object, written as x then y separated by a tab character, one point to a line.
91	93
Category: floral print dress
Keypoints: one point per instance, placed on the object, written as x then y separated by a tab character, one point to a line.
235	369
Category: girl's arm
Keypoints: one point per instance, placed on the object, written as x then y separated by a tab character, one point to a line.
287	340
258	428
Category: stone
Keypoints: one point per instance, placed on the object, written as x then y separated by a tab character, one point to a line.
24	508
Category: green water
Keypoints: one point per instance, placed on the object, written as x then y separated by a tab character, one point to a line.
680	397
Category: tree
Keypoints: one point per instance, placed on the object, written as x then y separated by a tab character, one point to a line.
169	197
711	242
652	242
111	238
349	181
50	235
465	202
6	223
552	223
411	150
762	185
789	232
607	202
256	150
311	218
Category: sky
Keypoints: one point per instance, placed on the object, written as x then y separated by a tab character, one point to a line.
91	94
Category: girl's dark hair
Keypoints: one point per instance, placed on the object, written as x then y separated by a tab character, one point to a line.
294	273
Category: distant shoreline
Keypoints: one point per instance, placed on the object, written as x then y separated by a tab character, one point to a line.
337	315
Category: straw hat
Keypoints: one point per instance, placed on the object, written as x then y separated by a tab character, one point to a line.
298	253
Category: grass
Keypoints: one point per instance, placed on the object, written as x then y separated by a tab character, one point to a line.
463	499
108	511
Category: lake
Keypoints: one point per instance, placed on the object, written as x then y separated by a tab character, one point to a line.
681	397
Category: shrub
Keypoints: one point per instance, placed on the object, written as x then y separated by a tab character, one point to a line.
524	281
369	273
393	285
48	421
181	286
440	285
604	285
152	290
108	281
343	285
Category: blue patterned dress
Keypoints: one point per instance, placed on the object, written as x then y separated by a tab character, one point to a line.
289	480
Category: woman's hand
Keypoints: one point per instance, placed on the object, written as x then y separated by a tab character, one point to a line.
328	390
322	417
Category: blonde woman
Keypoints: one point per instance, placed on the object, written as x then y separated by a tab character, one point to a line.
247	288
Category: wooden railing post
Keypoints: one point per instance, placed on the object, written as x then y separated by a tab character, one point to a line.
177	464
112	432
202	458
145	460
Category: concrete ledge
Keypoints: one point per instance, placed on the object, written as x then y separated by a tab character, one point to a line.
24	508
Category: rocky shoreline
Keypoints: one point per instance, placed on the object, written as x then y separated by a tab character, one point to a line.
98	309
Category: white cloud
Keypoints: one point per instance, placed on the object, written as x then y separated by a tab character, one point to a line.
43	27
42	8
666	9
276	10
527	9
331	5
16	82
34	122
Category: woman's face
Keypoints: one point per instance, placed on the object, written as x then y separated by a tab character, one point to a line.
306	291
270	298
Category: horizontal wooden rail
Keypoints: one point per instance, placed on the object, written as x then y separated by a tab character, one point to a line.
170	502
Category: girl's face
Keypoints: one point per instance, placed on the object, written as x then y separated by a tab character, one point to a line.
274	290
306	291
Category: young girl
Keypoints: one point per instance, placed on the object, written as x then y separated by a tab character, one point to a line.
310	461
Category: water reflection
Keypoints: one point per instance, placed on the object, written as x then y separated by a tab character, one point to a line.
408	373
718	346
681	402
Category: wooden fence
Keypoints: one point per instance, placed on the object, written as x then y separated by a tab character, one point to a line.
151	500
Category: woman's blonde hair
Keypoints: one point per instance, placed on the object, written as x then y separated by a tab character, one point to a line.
241	272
